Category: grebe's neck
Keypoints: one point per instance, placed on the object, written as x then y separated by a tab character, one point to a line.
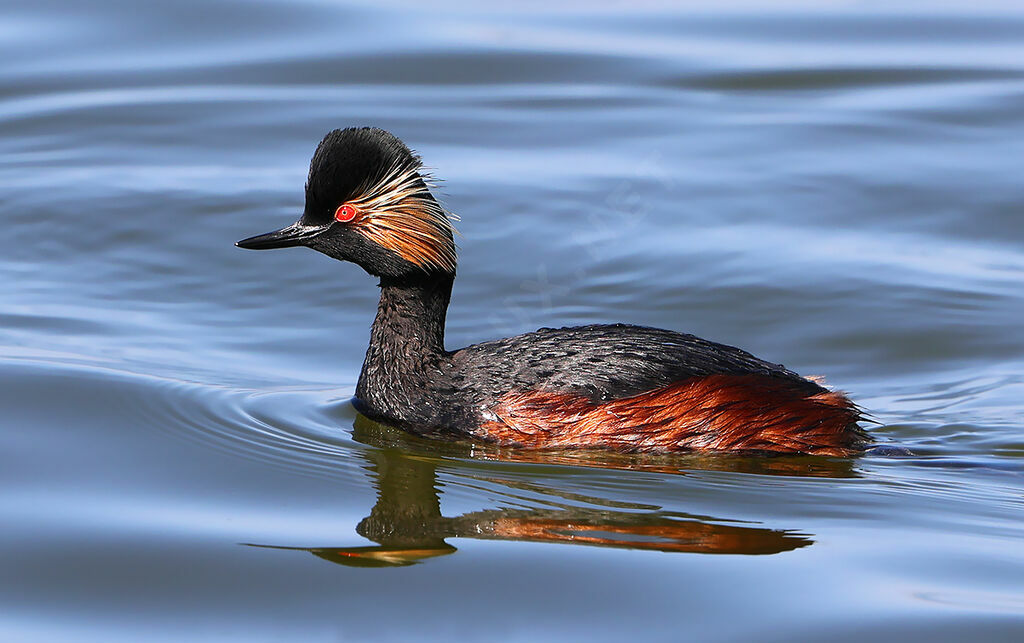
406	342
411	314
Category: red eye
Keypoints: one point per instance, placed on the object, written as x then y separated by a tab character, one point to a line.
345	213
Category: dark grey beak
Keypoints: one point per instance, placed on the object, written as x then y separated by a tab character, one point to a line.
296	234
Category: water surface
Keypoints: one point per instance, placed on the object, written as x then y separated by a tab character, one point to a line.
834	187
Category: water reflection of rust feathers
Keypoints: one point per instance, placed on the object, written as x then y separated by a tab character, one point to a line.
399	214
663	535
716	412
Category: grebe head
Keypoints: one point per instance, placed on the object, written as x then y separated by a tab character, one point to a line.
367	202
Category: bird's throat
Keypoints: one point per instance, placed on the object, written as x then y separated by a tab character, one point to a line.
406	342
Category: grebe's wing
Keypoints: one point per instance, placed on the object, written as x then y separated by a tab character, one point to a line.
605	362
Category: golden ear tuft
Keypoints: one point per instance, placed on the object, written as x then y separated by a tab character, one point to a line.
400	214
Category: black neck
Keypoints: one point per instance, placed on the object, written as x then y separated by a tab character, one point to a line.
411	314
406	341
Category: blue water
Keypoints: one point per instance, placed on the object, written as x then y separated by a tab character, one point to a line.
835	187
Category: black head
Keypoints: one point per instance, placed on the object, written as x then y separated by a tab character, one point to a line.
367	202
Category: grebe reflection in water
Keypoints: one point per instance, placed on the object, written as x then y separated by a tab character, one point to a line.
407	524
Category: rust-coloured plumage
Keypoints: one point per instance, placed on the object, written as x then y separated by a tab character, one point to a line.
712	413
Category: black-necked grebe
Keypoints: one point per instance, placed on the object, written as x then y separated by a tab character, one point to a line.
621	387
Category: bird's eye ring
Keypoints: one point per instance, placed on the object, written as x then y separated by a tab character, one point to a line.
345	213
